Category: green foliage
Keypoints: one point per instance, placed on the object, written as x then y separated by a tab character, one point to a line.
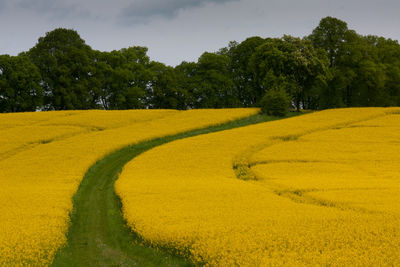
166	92
363	67
330	35
208	82
275	102
120	77
332	67
297	61
216	88
20	88
63	59
188	82
248	92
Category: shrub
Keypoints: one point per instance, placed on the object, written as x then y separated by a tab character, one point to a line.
275	102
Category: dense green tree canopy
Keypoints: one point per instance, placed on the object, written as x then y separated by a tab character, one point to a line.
363	67
215	89
241	73
63	59
20	88
332	67
164	90
295	60
330	35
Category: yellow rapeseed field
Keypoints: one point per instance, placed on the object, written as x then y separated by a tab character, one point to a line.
44	156
318	189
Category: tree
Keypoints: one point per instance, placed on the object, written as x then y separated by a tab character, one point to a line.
20	88
359	74
164	90
248	91
64	62
388	54
364	72
333	36
302	66
275	102
124	93
136	60
100	80
121	78
330	35
332	67
216	88
188	82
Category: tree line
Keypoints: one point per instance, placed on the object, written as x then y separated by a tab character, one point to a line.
332	67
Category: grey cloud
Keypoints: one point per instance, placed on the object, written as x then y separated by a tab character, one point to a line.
142	10
3	5
54	9
176	30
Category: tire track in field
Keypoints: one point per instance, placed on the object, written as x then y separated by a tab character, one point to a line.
31	145
98	234
242	167
87	129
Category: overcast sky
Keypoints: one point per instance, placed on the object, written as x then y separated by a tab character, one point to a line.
177	30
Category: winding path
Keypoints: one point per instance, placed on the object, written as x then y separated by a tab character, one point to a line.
98	235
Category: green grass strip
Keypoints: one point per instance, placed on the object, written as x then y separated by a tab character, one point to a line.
98	234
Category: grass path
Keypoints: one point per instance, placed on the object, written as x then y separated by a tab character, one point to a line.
98	235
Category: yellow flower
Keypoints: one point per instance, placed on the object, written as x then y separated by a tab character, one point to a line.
318	189
44	156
